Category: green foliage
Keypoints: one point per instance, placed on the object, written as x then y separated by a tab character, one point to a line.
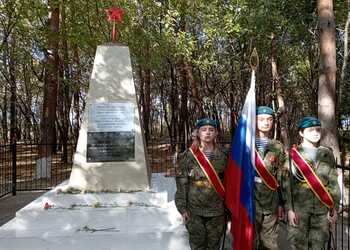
216	38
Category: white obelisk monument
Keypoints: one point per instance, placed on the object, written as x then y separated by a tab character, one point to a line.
110	154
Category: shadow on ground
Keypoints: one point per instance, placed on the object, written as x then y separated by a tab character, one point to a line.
10	204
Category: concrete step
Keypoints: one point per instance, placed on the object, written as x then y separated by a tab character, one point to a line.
103	221
92	241
64	222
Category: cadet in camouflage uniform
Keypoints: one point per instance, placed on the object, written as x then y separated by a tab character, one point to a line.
309	218
266	200
200	205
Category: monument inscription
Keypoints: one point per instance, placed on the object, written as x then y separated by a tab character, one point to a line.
111	133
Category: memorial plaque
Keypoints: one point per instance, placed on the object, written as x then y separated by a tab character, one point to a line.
111	135
110	146
111	117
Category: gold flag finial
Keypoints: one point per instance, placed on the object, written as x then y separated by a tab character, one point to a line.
254	59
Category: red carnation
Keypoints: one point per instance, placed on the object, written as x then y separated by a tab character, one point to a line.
47	206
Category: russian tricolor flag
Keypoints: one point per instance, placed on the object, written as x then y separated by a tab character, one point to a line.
239	175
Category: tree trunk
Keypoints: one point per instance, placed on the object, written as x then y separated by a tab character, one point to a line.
194	89
186	69
28	127
183	115
281	123
169	105
147	102
4	106
346	52
47	126
327	79
345	72
13	125
64	89
142	100
76	103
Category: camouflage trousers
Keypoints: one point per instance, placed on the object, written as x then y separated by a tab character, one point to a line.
312	232
205	232
265	231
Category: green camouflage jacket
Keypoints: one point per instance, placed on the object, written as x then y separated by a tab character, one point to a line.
203	201
266	200
304	199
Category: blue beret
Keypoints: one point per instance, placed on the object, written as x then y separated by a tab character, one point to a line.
264	110
308	121
207	121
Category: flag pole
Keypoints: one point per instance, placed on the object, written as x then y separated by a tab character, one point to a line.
254	63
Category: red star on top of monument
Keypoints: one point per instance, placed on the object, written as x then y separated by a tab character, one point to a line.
114	14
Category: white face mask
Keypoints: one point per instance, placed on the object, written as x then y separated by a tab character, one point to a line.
312	134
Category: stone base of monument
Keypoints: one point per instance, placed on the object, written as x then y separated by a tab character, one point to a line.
123	221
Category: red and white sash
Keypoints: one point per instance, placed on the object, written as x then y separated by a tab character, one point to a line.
311	178
208	170
269	180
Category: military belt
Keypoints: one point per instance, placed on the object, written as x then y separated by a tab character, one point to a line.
304	185
202	184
